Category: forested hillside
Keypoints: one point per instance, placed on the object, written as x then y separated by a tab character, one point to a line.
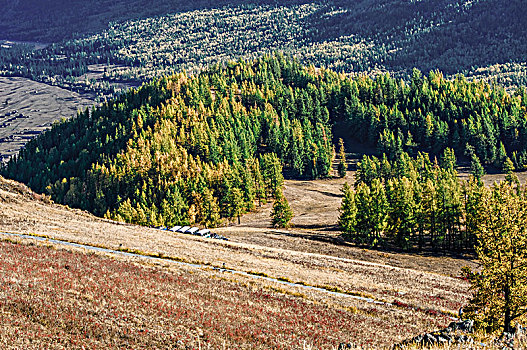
481	38
55	20
194	148
187	149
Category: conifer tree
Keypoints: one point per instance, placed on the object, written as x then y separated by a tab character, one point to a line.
259	185
342	167
372	212
472	192
209	211
174	208
476	169
272	173
508	169
500	289
448	160
348	210
236	204
281	214
501	157
402	218
508	166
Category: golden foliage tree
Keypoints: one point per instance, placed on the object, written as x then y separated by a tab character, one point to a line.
500	289
342	166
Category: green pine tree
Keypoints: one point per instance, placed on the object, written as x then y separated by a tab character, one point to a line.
342	167
281	214
476	169
348	210
508	169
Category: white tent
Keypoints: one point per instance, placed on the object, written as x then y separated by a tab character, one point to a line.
203	232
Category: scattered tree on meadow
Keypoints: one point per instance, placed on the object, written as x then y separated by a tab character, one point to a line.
281	214
348	210
342	166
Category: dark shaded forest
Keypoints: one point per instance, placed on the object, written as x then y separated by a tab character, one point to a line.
56	20
477	38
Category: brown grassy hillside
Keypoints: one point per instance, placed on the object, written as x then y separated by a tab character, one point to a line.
421	291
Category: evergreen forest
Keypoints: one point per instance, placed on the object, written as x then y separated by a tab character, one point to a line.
416	203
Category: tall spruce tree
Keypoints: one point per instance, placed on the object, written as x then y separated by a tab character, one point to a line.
348	210
476	169
342	166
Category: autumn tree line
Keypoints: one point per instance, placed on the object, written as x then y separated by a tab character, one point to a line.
413	203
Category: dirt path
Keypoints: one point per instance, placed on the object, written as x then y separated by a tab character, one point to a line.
202	266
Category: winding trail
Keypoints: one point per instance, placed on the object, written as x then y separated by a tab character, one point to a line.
201	266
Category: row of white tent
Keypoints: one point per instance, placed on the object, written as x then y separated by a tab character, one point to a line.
194	231
190	230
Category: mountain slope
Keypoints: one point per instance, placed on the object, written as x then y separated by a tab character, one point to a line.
55	20
452	36
366	36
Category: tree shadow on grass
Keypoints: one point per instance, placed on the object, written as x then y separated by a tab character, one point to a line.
341	240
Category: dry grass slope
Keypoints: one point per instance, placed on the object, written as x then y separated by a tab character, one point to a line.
37	106
225	307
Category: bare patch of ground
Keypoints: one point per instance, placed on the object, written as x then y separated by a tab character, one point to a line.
315	205
7	44
27	108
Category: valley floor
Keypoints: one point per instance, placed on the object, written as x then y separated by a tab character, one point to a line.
28	108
